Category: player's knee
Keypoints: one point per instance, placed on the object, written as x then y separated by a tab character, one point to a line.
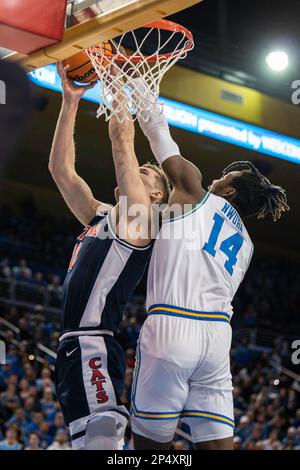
105	432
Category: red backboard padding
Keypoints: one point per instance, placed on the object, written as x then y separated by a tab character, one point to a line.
29	25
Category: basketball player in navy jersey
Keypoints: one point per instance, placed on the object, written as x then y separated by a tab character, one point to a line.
104	270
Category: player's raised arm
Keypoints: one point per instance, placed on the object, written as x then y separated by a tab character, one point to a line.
126	164
124	157
73	188
185	177
127	169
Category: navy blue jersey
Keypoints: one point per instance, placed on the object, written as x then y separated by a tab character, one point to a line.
102	275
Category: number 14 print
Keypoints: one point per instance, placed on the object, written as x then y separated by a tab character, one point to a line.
230	246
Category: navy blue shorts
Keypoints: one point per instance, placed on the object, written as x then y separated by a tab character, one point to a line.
90	374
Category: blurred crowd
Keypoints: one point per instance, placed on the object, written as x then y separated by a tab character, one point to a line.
44	240
267	402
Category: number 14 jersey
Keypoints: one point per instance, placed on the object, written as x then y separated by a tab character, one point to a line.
199	260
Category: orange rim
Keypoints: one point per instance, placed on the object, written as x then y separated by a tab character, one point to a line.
159	24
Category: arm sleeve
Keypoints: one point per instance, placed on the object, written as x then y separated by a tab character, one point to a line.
153	123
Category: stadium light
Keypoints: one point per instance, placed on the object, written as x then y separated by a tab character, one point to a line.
277	61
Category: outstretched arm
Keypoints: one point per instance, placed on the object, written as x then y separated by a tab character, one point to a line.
185	177
73	188
127	172
125	162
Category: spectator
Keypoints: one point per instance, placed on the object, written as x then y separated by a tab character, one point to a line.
255	435
24	389
58	424
5	270
130	358
45	438
38	280
272	443
60	441
22	272
244	428
9	394
35	424
296	421
29	373
242	354
45	380
29	408
259	445
179	445
47	402
132	332
291	437
55	287
11	440
18	419
33	442
297	437
237	443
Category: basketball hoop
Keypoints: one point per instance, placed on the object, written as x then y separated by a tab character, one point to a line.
117	71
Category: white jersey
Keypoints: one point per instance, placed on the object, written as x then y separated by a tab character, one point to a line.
199	259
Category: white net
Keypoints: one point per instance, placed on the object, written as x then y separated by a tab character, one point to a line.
118	71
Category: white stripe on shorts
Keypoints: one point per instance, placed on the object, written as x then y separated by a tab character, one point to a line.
93	349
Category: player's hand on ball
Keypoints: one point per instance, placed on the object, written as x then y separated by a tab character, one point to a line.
70	90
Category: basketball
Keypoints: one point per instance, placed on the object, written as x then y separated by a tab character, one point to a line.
81	68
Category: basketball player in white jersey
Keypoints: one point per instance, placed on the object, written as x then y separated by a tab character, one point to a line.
107	264
198	262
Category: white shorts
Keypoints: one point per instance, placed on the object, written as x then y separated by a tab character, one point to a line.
183	371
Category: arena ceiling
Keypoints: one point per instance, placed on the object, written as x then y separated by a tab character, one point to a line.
233	38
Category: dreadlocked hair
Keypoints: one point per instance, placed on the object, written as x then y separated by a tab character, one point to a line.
256	195
163	178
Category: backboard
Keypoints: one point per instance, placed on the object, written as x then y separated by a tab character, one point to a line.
89	22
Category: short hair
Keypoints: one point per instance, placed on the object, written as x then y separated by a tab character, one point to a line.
166	187
14	428
256	195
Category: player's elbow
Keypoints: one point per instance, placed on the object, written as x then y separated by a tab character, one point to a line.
58	171
52	167
55	171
